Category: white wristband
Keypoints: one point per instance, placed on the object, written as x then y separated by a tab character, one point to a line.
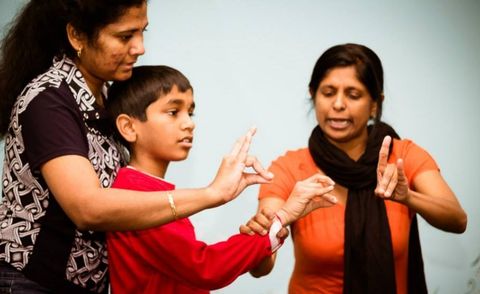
275	242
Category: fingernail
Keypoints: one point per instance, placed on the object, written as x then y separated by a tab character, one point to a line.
264	232
270	175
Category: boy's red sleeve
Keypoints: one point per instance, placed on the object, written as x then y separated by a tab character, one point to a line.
173	250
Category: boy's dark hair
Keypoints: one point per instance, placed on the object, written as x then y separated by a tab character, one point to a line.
146	85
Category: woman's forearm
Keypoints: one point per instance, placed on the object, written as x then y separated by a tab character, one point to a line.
118	210
440	212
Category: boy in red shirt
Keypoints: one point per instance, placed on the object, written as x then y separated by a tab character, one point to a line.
153	115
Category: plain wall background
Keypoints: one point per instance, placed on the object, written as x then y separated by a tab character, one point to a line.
250	63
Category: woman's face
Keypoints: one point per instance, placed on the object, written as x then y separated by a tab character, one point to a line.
117	48
343	107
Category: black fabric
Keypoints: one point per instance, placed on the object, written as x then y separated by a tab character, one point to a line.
55	115
52	250
52	126
416	274
368	261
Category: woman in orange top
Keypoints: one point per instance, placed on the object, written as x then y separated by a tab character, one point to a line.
368	244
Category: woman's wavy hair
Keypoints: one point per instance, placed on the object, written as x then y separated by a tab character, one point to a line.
38	33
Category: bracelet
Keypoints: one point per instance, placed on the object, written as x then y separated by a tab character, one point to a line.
172	205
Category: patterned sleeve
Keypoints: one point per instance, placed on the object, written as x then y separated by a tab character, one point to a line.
51	126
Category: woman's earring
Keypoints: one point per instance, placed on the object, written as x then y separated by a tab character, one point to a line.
79	52
371	120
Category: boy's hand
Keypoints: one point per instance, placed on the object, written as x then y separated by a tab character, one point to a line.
306	196
260	223
231	178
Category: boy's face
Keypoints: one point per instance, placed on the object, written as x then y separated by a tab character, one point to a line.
167	134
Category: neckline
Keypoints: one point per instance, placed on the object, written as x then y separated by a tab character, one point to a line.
148	174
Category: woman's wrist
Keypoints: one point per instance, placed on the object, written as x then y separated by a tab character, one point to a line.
282	215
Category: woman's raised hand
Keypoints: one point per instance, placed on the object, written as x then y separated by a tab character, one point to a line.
231	178
392	183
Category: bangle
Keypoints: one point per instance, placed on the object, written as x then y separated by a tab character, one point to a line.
172	205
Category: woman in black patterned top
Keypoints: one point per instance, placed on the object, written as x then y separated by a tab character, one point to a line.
60	157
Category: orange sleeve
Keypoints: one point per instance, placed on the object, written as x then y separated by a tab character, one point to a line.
416	159
282	183
288	169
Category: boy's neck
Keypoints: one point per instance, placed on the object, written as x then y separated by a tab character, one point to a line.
153	168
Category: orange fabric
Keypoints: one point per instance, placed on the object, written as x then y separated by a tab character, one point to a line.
319	237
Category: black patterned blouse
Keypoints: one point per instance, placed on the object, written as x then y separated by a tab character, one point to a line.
55	115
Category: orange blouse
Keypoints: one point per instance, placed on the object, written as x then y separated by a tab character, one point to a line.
318	238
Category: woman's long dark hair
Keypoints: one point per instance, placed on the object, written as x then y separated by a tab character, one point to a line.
38	34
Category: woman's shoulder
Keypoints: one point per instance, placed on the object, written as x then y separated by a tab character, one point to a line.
294	155
415	158
299	152
296	161
405	147
49	86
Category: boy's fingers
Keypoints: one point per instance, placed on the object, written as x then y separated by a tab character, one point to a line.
246	230
253	162
238	146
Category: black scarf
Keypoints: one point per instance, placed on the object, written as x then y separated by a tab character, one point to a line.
368	261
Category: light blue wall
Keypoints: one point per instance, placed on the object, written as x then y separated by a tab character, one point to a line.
250	62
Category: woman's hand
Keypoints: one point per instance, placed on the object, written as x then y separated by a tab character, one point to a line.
231	178
306	196
392	183
430	196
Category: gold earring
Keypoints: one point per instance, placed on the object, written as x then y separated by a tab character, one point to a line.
79	52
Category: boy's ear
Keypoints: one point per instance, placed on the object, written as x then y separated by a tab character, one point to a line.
126	128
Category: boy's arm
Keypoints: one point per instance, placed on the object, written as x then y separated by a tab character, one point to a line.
173	251
76	187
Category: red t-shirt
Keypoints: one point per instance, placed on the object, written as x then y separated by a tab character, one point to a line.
319	237
169	258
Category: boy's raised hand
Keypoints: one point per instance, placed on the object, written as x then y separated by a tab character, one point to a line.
231	178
